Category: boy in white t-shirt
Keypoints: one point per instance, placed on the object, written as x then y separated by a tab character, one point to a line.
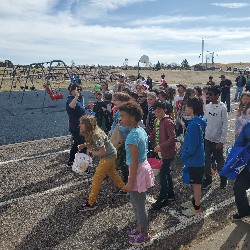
215	135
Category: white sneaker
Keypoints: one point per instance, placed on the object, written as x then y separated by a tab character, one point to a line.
191	211
246	219
186	205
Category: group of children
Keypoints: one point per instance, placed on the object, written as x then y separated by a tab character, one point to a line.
149	122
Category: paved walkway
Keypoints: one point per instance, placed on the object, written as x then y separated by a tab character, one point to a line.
234	236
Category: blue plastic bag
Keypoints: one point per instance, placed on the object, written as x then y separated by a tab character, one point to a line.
236	161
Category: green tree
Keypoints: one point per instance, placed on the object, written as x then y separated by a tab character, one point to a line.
158	66
185	64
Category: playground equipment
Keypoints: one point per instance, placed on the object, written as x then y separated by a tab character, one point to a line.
50	93
47	85
28	77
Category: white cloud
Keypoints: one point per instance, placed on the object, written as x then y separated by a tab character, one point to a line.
231	5
112	4
159	20
162	20
24	7
33	31
93	9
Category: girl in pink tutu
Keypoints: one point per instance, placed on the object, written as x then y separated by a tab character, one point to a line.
141	176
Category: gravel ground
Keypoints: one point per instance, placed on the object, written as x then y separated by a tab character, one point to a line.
39	195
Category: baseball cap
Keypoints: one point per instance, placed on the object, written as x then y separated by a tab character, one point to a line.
222	76
210	77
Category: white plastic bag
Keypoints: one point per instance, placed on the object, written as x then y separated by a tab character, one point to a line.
81	163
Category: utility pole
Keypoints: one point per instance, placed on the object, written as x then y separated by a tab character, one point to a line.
202	50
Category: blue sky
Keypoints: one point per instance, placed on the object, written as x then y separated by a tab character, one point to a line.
107	32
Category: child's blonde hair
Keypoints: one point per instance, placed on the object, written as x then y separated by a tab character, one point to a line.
152	95
243	109
92	131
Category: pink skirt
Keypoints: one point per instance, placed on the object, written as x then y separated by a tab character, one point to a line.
145	177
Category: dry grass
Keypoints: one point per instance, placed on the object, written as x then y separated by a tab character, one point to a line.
189	77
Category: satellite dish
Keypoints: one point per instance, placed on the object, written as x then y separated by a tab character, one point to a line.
144	59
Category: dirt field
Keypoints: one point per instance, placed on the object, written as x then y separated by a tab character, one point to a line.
172	76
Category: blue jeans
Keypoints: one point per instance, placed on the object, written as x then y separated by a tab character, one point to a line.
166	181
238	92
225	97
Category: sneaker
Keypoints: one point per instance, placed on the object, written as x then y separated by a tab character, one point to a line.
246	219
141	241
120	192
237	217
134	233
87	207
187	204
206	185
191	211
159	204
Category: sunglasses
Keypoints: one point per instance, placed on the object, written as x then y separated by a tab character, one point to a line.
141	96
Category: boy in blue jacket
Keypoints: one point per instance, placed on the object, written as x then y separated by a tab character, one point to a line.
193	154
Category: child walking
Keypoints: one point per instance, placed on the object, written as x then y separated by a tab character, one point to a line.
98	144
141	176
193	154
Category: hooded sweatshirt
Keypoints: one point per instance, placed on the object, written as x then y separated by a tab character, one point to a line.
192	152
166	137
